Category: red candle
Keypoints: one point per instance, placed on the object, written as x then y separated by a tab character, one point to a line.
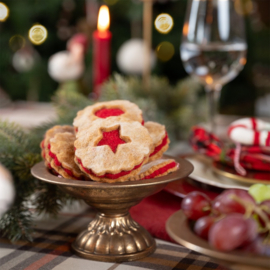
101	50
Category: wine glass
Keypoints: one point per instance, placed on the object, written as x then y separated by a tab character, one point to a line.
213	47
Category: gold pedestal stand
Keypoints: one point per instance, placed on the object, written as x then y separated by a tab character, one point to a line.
113	236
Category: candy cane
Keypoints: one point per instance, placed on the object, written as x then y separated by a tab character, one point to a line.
250	131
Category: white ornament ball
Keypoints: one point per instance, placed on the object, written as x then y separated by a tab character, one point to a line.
63	66
130	57
23	60
7	191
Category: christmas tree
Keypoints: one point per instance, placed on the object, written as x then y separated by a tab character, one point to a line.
31	81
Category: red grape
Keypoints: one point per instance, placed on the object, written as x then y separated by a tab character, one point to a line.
227	202
203	225
196	205
232	232
267	250
255	246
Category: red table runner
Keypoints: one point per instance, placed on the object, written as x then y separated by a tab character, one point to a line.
153	212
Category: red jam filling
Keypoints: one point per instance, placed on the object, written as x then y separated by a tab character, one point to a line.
161	170
108	175
112	139
159	147
59	164
104	113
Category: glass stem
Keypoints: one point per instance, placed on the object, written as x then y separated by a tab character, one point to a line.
213	94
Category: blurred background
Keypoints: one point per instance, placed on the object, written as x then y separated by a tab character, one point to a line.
23	65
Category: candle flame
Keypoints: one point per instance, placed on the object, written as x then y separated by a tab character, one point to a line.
103	18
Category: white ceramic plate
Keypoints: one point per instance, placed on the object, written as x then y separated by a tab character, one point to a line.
203	173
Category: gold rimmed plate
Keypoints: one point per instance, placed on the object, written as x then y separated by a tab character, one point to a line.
252	177
179	230
204	173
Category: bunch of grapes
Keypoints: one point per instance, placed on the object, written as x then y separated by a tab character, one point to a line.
236	219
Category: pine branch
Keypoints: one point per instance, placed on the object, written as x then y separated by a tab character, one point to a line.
13	139
16	223
177	107
50	199
68	101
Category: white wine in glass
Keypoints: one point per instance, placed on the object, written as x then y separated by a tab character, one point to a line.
213	47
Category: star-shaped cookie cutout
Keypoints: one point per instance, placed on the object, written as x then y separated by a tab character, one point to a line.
112	139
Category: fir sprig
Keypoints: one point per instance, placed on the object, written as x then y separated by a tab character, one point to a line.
16	223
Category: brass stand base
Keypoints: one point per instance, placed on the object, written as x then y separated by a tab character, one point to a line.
113	236
115	258
114	239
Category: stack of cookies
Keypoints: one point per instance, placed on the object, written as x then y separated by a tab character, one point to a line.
108	142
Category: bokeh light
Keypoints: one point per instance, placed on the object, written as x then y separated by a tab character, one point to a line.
165	51
209	80
185	29
243	7
4	12
164	23
68	5
16	42
37	34
243	61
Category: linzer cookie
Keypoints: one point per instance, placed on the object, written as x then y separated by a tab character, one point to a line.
62	155
45	144
156	168
160	139
112	150
116	109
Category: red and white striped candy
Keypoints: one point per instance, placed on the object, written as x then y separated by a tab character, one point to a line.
250	131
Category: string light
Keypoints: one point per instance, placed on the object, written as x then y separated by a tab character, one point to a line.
164	23
16	42
4	12
209	79
165	51
37	34
243	61
243	7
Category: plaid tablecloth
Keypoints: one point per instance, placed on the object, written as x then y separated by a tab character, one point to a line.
51	250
